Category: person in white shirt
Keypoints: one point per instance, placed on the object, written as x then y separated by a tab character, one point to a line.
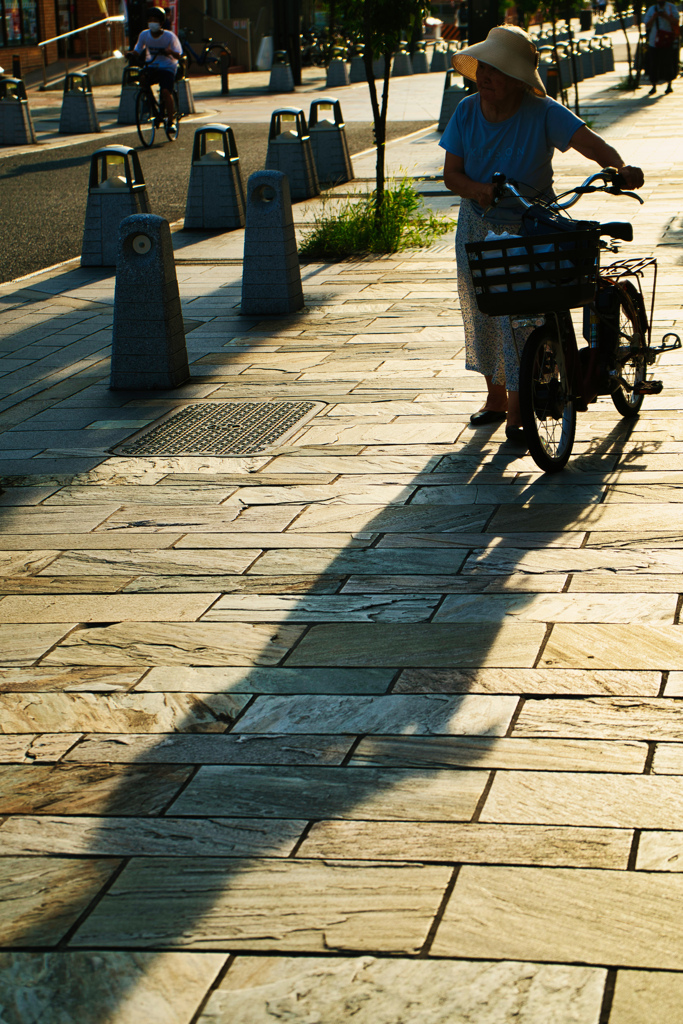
661	25
162	49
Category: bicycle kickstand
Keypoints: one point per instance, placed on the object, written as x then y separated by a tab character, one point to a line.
666	346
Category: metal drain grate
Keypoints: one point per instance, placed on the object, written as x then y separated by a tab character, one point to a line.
220	428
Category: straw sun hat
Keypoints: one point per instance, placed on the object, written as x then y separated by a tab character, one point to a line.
507	48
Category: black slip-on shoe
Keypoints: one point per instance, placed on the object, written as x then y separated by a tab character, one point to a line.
485	416
516	436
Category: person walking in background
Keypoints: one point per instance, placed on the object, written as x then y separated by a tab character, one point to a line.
661	25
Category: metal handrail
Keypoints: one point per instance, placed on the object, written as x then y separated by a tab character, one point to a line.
77	31
114	19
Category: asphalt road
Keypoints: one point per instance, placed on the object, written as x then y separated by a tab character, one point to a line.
43	194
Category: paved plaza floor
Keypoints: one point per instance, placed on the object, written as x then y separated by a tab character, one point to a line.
380	725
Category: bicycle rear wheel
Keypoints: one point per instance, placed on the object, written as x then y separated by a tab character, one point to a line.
146	116
548	412
212	58
631	362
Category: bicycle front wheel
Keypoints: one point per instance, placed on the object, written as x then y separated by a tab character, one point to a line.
147	117
172	125
548	411
631	363
213	58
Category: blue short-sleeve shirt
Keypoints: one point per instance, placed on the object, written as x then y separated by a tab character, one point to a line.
521	147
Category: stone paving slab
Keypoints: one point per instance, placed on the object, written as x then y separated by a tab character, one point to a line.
381	724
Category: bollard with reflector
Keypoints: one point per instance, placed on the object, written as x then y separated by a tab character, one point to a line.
402	62
337	71
78	116
271	276
357	72
16	126
289	151
116	190
420	65
148	340
328	142
452	94
130	84
215	195
440	60
281	78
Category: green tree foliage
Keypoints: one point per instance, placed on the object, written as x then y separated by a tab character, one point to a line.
380	25
525	10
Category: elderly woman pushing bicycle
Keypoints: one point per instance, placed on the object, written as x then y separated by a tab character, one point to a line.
509	125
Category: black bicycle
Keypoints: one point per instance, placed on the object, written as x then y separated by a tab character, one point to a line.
537	279
213	58
149	115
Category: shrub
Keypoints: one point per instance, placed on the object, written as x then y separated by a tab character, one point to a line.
358	228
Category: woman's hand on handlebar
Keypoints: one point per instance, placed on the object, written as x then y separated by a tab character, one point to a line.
485	195
631	177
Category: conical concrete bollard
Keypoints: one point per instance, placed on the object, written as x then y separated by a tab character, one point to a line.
271	277
281	78
289	151
452	94
78	116
215	195
16	126
148	342
130	85
328	142
116	190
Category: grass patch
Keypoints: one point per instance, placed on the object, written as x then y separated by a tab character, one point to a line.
355	230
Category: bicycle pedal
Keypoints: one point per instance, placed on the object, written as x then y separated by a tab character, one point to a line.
649	387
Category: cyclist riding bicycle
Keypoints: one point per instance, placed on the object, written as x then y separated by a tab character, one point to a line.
162	49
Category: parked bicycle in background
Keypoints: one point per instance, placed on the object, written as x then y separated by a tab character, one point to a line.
212	59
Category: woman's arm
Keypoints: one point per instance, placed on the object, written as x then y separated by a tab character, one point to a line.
458	182
590	145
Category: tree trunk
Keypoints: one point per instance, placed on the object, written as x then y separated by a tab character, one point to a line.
381	137
620	14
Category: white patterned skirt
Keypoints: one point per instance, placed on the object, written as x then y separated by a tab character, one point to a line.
489	343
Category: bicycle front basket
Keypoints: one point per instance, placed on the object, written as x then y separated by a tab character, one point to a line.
535	275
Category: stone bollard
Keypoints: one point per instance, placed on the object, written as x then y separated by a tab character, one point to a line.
357	69
402	63
440	60
116	190
271	277
281	78
148	342
328	142
378	67
289	151
215	195
130	84
452	94
585	55
598	60
16	126
337	72
185	97
420	65
79	116
607	53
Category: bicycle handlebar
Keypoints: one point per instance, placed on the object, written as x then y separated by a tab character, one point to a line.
610	177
